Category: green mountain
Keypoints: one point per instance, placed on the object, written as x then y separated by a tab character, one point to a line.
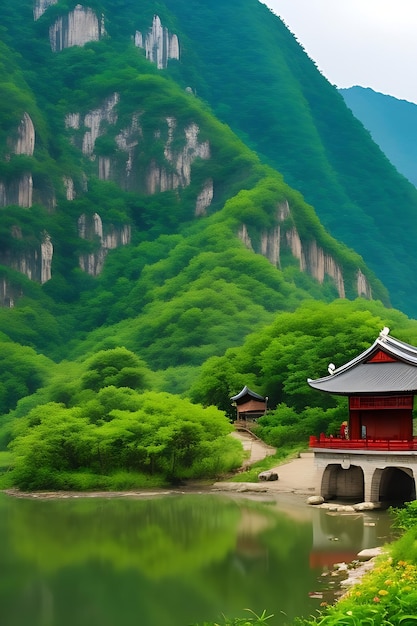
187	206
86	76
288	112
392	124
146	158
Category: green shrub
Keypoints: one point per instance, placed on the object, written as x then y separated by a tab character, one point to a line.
406	516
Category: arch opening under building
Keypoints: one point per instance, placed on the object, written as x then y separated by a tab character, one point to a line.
396	486
343	482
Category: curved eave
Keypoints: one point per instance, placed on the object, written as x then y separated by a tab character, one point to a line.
370	378
393	347
247	392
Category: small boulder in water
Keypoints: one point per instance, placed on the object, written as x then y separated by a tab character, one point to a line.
315	500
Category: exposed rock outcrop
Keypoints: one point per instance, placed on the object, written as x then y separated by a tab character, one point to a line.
271	244
76	29
25	141
127	141
159	177
35	262
41	6
69	188
18	190
93	121
363	287
173	171
8	293
47	253
204	198
159	44
91	228
321	264
311	257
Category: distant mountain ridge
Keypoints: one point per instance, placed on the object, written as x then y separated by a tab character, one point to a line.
392	123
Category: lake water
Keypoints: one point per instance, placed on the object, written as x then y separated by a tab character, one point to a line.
170	561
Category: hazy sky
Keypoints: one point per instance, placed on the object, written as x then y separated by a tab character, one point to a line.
371	43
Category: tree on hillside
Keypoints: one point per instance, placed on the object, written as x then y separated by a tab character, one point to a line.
118	367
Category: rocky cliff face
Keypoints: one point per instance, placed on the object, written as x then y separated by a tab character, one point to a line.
129	166
94	122
91	227
204	198
161	178
25	142
8	293
18	190
34	262
41	6
75	29
171	172
159	44
311	257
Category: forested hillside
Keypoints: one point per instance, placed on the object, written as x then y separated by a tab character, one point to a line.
147	229
392	124
296	120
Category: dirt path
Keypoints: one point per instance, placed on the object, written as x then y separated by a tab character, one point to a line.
256	448
296	476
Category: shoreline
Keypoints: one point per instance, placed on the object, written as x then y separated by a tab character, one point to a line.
290	502
250	490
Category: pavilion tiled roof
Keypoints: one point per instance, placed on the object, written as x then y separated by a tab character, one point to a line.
247	392
363	376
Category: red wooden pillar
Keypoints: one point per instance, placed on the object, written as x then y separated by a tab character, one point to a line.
354	425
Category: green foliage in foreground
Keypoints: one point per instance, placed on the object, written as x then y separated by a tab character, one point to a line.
406	517
149	434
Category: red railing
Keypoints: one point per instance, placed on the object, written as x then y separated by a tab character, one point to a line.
335	443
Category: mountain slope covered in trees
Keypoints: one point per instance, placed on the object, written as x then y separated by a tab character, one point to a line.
146	229
290	114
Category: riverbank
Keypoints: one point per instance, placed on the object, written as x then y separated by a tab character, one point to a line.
294	477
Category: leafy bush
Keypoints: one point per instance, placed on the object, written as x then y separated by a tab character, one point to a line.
406	516
117	429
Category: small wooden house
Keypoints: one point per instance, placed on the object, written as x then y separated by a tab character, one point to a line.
249	405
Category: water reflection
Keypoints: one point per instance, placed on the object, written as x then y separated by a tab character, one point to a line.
167	561
336	537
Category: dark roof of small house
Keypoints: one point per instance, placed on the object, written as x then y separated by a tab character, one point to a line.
247	392
360	376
